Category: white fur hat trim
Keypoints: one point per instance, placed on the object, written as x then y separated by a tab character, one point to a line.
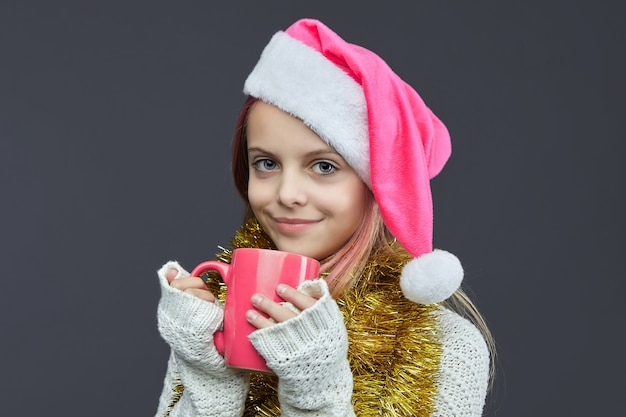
302	82
432	277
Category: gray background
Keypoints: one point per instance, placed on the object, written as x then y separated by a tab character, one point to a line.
115	123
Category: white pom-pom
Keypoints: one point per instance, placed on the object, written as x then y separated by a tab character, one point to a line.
432	277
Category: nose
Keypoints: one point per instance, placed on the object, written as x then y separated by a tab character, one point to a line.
292	190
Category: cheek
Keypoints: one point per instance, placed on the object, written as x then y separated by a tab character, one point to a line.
352	204
358	196
258	195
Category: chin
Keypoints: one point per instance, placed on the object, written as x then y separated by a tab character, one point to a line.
308	252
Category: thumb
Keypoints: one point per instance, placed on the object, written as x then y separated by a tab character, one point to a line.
171	274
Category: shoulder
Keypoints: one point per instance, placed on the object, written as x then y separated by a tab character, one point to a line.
464	369
458	333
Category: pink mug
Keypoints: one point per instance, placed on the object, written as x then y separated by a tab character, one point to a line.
252	271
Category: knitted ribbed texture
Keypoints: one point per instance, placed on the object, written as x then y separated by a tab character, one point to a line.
198	383
308	353
464	368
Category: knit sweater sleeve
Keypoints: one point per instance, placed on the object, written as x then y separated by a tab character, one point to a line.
464	369
308	353
197	382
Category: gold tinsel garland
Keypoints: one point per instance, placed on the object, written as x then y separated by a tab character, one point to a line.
178	391
394	351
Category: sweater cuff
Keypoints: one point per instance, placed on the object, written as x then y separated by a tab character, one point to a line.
187	311
187	323
317	329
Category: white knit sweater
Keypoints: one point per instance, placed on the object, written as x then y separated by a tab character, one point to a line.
308	354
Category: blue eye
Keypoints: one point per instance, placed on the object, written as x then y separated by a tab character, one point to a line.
324	168
265	165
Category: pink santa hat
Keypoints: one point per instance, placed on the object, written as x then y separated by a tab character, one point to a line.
379	124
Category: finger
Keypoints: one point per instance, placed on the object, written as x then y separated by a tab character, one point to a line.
295	297
274	310
258	320
188	282
202	294
171	274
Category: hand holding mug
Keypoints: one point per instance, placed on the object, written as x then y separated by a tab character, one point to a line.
256	273
191	285
277	312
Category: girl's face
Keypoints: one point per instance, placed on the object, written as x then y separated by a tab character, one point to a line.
303	193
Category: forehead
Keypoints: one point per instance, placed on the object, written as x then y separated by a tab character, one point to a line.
269	125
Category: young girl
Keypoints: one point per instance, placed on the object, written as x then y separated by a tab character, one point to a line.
333	155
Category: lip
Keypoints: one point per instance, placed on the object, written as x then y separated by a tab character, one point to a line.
290	225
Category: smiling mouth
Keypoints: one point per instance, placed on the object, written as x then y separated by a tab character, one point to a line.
287	225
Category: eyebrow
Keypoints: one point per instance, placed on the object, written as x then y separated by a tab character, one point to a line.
308	154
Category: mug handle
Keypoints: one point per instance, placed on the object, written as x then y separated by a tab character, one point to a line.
222	269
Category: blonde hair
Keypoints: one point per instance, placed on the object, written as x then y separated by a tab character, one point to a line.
347	263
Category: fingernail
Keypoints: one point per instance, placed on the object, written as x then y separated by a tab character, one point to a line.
281	288
256	299
251	315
